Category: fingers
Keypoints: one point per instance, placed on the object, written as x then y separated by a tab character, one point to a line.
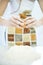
16	22
30	21
33	24
28	18
20	20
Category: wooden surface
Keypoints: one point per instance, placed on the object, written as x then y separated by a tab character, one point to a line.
41	4
3	5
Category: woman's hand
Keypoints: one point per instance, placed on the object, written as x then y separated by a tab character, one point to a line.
16	22
22	23
30	22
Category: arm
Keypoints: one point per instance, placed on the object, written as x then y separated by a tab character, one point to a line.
3	22
3	5
14	22
31	22
41	19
